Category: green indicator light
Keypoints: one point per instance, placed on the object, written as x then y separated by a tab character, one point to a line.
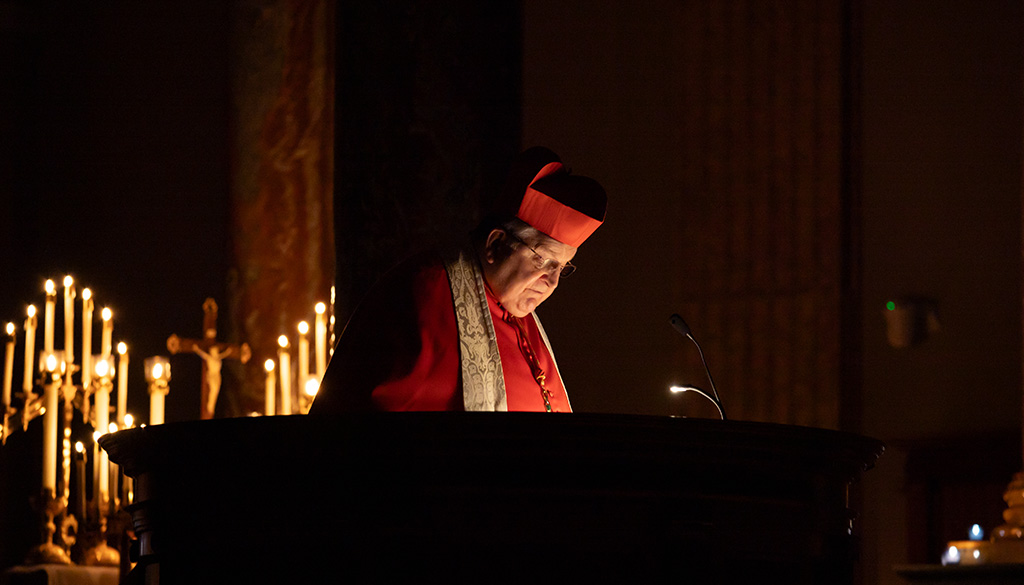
890	305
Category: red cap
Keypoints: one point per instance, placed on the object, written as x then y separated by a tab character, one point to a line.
566	207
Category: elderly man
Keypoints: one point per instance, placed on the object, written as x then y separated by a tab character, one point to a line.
457	331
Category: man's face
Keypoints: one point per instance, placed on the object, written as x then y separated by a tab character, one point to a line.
514	277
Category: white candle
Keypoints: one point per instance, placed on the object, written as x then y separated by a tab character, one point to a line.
102	406
122	381
321	340
50	425
51	299
303	354
108	331
284	361
69	321
87	308
112	472
270	397
157	389
99	464
30	348
8	366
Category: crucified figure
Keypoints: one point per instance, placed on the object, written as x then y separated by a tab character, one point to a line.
213	363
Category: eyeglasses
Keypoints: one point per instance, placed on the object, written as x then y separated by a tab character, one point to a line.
548	265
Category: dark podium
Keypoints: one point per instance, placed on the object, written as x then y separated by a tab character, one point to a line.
491	497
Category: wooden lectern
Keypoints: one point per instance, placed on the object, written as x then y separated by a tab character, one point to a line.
491	498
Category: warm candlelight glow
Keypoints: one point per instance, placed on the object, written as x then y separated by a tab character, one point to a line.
122	348
86	294
51	288
312	385
31	311
68	281
320	308
303	327
51	363
268	365
102	368
10	329
107	314
96	436
283	341
158	371
129	421
79	447
112	427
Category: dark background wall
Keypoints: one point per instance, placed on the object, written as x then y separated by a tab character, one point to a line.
115	167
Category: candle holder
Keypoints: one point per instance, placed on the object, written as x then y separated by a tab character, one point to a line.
101	553
48	552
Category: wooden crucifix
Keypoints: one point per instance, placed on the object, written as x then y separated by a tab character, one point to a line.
213	353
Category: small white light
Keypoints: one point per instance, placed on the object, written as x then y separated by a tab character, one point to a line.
977	553
676	389
312	386
976	532
952	556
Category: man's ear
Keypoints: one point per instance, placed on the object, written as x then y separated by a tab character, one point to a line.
494	247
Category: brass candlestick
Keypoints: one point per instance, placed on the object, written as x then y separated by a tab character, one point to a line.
49	552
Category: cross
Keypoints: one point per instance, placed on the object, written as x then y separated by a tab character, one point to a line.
212	352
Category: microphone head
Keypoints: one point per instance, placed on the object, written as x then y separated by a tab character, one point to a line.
679	325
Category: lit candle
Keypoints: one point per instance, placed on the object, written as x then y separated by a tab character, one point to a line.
284	361
30	348
8	367
159	377
69	321
78	506
271	391
50	424
122	380
87	308
112	470
51	299
99	460
321	340
108	331
102	406
303	354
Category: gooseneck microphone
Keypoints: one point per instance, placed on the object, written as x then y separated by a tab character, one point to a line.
684	330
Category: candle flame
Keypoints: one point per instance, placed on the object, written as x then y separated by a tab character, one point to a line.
86	294
68	281
96	436
158	371
129	421
79	447
321	308
122	348
312	385
50	287
10	329
283	341
268	366
107	313
303	327
102	368
112	427
31	311
51	362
